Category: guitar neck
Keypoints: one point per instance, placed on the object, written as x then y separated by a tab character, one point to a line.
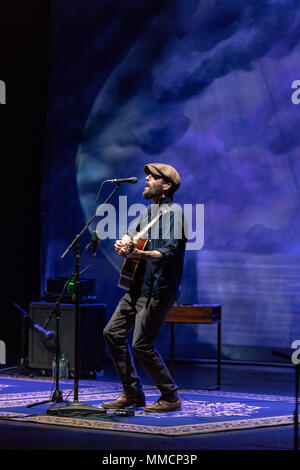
149	225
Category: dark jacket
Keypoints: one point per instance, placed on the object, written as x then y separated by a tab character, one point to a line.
167	235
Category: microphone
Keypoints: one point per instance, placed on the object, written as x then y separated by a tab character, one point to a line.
47	334
123	180
95	243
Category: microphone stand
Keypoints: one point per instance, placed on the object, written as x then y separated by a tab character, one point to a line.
57	396
77	408
23	363
295	414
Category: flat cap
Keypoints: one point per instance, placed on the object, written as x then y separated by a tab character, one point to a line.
167	172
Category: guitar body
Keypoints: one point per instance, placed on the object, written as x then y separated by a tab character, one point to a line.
130	266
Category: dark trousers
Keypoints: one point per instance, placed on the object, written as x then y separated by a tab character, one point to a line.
146	315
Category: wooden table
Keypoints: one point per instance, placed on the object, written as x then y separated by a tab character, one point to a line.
199	314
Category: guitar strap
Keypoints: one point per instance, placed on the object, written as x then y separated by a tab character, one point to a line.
161	212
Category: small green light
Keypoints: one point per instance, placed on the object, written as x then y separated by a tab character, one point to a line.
70	288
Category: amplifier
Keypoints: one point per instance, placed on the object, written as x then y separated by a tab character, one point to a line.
92	349
56	285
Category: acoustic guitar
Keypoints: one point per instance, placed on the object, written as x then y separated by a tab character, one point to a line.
130	265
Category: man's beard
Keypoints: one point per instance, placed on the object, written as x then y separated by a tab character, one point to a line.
150	193
147	194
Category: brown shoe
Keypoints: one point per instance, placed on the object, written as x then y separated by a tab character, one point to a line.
124	400
162	406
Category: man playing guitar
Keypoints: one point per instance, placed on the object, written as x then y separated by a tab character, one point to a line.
158	262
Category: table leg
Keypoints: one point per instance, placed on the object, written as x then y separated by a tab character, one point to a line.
219	355
172	368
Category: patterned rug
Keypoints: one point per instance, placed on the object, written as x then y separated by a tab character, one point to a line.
202	411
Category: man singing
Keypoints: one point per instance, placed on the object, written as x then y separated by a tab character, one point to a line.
151	295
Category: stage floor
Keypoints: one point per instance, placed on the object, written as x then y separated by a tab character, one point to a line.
247	392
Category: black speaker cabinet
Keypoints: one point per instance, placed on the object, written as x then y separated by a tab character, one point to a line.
92	321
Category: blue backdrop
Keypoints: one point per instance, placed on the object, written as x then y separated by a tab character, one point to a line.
207	87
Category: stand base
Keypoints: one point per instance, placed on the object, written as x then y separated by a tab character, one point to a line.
57	397
81	409
21	369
